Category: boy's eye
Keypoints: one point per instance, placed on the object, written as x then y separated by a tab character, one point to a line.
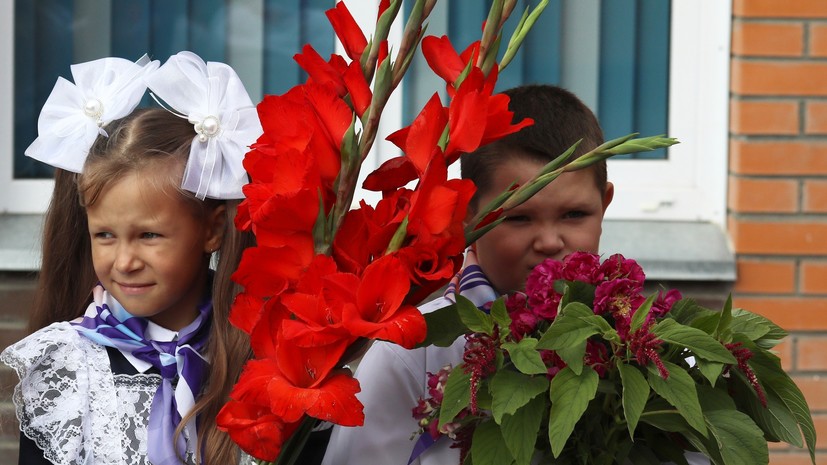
574	214
517	218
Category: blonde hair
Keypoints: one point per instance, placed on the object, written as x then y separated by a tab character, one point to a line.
157	142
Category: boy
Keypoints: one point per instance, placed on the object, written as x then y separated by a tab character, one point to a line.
564	217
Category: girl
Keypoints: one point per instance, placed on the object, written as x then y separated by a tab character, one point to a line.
148	359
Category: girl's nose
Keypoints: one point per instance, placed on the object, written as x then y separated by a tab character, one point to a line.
127	259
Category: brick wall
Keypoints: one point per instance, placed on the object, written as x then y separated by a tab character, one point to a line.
778	185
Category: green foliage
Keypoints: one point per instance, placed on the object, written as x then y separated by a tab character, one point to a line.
630	413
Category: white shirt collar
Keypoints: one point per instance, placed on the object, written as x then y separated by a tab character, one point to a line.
153	332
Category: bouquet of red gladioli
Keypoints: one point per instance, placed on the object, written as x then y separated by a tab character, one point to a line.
324	279
581	368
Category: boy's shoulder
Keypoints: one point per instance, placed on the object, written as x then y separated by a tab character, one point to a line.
434	305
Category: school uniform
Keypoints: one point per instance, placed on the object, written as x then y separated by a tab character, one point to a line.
85	398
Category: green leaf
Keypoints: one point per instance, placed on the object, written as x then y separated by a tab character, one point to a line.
777	421
773	378
686	310
500	315
722	331
488	446
700	343
635	393
573	356
568	330
457	395
520	430
578	291
474	319
525	357
679	390
511	390
444	327
640	314
739	439
570	395
710	370
753	326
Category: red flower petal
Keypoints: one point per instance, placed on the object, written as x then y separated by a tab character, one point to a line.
347	30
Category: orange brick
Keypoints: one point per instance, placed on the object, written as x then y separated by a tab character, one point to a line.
801	457
815	196
815	119
818	40
810	354
774	117
792	314
786	238
767	77
780	9
767	39
814	388
814	277
763	195
778	158
765	277
784	350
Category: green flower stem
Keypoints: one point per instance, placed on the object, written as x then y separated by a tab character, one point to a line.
551	171
293	447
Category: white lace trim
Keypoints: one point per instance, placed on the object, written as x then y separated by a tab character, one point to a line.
66	397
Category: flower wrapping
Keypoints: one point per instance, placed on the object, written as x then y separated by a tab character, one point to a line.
581	368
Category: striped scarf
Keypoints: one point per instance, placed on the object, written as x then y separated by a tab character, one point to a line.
107	323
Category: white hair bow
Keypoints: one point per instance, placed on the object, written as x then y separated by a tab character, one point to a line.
212	97
71	119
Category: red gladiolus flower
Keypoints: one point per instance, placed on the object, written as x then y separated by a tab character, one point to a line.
255	429
443	58
379	311
267	271
347	30
303	381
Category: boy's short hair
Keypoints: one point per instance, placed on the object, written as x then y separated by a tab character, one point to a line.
560	120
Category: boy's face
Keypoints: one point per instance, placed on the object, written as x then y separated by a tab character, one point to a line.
565	217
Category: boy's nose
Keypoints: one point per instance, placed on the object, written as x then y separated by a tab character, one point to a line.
548	242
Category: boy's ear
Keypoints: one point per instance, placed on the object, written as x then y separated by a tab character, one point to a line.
608	195
216	224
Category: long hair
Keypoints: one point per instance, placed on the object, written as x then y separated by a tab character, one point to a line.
156	142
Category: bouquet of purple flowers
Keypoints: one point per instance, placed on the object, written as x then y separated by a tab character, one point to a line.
582	368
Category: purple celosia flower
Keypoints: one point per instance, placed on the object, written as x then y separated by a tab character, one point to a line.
620	298
542	298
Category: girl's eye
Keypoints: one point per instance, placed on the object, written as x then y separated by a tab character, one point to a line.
150	235
103	235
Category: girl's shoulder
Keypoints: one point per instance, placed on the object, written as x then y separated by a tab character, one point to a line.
58	344
65	395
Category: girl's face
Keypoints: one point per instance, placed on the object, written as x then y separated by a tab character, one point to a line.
564	217
150	250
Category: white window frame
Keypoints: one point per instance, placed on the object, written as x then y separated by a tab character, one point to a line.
689	186
692	184
16	195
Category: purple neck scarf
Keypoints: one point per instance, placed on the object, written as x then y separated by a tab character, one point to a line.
107	323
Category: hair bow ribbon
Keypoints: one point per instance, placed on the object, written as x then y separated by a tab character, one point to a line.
71	119
212	97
